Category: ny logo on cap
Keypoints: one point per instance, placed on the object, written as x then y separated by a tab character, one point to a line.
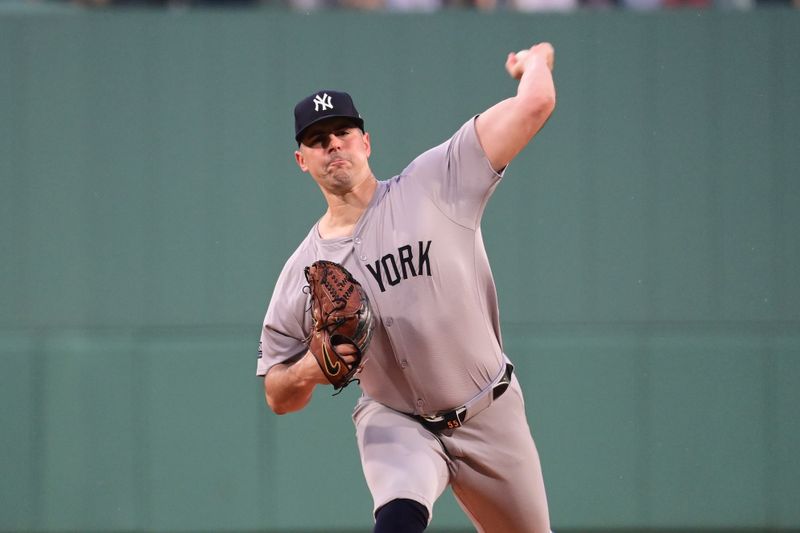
323	101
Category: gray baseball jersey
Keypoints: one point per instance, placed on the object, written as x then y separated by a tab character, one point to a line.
418	252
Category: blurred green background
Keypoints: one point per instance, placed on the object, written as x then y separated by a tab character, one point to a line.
645	248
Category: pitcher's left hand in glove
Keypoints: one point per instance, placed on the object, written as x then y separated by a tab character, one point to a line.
341	314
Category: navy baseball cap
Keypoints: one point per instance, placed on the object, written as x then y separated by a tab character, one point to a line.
322	105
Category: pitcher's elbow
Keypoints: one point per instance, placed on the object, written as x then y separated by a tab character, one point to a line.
537	109
544	104
274	405
278	410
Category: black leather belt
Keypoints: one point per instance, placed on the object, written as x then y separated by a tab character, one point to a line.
458	416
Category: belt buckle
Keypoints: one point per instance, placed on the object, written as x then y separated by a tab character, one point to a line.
452	420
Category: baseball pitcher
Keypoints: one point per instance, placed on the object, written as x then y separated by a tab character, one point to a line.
392	288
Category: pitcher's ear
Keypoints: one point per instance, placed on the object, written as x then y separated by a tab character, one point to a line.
300	160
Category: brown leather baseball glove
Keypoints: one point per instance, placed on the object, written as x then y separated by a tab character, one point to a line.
341	314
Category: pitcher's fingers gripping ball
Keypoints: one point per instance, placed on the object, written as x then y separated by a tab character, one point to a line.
341	315
515	63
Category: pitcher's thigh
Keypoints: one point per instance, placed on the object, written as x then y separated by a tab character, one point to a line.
400	459
498	477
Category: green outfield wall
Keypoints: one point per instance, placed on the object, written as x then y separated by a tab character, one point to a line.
645	248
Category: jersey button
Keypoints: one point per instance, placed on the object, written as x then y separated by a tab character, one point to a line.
403	363
363	257
420	402
389	322
357	240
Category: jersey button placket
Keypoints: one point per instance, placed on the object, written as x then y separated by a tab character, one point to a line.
361	255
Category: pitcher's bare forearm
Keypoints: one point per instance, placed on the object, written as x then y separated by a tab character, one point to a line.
288	386
507	127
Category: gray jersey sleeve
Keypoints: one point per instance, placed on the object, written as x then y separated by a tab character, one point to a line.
286	323
457	176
